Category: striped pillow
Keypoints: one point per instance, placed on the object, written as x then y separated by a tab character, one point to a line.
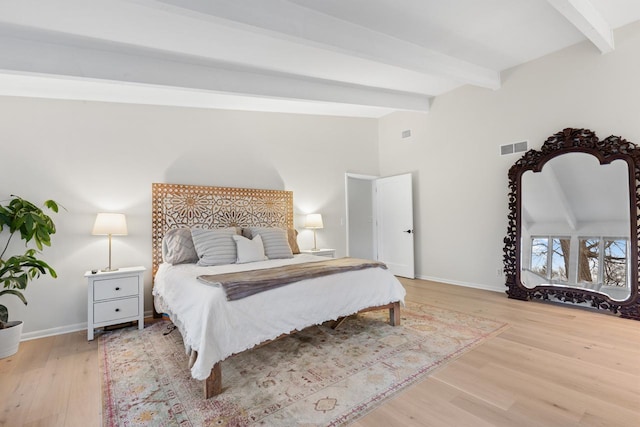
276	244
215	246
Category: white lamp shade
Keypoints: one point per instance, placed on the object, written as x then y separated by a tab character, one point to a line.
110	224
313	221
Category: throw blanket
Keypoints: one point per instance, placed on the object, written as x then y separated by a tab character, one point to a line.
246	283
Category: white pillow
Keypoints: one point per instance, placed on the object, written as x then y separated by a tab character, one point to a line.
249	250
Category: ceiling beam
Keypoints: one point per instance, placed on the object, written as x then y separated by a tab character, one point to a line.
281	18
280	35
586	18
139	69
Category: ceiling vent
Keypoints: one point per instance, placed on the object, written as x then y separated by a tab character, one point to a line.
516	147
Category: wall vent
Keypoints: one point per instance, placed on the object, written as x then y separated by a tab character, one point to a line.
516	147
406	133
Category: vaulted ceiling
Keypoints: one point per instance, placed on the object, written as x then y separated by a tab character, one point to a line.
574	192
343	57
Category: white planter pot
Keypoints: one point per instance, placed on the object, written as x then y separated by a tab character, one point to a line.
10	340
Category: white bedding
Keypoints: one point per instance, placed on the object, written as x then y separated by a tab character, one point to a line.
217	328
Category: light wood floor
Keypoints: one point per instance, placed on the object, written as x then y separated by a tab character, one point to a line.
554	366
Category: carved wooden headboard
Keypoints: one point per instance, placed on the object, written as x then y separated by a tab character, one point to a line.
177	205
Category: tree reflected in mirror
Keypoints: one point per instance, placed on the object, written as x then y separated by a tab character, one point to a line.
603	261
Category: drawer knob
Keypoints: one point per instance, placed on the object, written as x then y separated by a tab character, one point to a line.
117	309
118	288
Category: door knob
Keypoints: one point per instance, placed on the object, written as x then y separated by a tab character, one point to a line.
408	231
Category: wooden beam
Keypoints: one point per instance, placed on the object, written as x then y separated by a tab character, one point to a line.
394	314
339	321
213	384
586	18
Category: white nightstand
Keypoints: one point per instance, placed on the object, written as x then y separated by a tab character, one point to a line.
329	253
115	297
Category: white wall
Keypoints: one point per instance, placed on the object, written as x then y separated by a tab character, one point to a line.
461	191
103	157
93	157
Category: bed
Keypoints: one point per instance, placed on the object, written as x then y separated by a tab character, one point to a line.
214	327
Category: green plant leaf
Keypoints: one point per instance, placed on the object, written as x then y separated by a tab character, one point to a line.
51	205
16	293
35	226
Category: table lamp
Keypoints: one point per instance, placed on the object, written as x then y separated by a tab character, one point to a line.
314	222
110	224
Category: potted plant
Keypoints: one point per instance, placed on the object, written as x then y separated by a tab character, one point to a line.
33	225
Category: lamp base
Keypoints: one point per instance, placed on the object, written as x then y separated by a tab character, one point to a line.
107	269
315	242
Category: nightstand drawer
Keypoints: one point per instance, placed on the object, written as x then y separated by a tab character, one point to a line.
329	253
115	288
113	310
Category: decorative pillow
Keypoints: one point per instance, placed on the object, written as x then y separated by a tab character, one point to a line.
249	250
214	246
276	244
292	236
246	232
177	247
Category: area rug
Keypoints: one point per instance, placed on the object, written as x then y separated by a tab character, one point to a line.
315	377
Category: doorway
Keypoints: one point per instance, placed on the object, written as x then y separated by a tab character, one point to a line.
360	227
379	222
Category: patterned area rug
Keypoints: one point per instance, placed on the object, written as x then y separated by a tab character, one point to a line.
316	377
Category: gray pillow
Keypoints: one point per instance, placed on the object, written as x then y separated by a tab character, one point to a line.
177	247
214	246
276	243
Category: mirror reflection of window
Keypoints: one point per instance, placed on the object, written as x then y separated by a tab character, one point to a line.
539	253
589	260
603	261
554	264
615	262
560	258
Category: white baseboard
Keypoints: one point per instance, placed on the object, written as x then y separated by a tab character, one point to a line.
62	330
53	331
464	284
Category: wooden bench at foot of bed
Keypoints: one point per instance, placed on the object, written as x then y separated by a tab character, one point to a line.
213	384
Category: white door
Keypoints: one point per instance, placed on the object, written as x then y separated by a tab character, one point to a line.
394	214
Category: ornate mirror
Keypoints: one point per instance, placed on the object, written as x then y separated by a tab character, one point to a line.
573	223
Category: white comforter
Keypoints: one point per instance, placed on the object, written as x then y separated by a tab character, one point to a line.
217	328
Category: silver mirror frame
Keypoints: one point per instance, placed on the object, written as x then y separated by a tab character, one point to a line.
572	140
